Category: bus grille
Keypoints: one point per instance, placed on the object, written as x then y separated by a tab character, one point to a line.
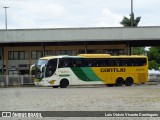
142	77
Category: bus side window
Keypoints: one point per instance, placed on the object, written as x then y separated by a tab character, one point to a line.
88	62
135	62
64	62
142	62
126	62
106	63
99	62
76	62
109	62
51	67
113	62
61	64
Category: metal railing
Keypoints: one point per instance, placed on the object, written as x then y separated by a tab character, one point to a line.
16	80
154	78
22	80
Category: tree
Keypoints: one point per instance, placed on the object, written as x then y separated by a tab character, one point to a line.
126	22
154	58
138	51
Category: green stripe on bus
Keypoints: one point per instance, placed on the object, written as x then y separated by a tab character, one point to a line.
90	74
85	73
79	73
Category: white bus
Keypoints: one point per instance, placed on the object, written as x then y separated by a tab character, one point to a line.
61	71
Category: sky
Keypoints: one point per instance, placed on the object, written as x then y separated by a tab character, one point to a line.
31	14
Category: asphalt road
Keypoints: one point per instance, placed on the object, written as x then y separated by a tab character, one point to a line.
81	98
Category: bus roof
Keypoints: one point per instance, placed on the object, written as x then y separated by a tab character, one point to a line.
93	56
50	57
109	56
58	56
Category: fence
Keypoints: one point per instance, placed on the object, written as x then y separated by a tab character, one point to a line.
21	80
16	80
154	78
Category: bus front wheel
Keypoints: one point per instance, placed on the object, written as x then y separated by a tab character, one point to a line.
119	81
128	81
64	83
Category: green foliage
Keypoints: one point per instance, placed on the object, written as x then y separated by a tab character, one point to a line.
127	21
153	65
154	57
153	53
138	50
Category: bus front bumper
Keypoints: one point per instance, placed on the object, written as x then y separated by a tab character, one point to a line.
45	83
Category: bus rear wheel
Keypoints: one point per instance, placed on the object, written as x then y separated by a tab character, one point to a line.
64	83
109	85
119	81
55	86
128	81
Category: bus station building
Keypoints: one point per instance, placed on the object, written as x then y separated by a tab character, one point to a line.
20	48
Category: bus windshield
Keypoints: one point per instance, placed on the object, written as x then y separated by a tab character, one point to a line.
38	73
48	70
41	62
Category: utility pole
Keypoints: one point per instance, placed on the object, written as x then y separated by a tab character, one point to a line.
5	8
132	14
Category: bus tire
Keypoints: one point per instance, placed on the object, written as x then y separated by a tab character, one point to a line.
119	81
128	81
64	83
55	86
110	85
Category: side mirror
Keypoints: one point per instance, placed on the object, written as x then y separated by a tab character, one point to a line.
43	66
31	68
43	69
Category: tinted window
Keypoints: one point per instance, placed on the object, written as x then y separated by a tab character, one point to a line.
51	67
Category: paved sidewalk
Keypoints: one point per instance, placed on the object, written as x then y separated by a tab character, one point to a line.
85	98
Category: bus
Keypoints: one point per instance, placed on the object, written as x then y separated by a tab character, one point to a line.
84	69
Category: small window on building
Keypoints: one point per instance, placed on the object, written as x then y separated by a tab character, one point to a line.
21	55
26	55
113	51
15	55
34	55
93	51
48	52
65	52
81	52
10	55
37	54
58	52
70	52
18	55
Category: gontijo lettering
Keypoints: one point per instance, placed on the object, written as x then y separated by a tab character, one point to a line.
112	69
